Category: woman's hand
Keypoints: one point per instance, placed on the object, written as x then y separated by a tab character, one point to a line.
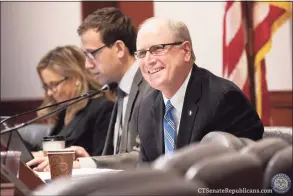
43	162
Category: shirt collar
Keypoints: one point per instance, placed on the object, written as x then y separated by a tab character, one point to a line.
127	79
178	98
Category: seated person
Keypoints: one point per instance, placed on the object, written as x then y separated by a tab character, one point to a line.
84	123
188	101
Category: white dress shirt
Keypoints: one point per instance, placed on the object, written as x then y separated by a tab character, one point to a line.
125	85
177	101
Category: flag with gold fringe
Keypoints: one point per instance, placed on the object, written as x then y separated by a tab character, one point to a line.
267	18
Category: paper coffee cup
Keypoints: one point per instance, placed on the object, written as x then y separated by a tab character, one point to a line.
61	162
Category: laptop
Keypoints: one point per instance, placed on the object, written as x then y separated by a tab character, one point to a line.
14	141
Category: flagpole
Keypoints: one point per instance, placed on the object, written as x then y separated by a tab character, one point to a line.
248	6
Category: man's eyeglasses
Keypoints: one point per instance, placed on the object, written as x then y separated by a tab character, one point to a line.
154	50
53	86
92	54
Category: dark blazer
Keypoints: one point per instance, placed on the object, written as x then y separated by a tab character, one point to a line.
211	103
129	141
89	127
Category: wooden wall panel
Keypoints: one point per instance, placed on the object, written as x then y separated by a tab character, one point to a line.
137	11
281	108
88	7
9	108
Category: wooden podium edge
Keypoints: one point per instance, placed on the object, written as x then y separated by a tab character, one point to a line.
10	184
29	177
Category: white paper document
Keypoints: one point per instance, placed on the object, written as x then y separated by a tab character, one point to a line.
76	173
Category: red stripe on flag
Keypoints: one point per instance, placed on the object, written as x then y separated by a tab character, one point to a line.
263	31
234	50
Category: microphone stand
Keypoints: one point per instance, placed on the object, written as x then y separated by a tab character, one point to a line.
87	95
106	87
48	106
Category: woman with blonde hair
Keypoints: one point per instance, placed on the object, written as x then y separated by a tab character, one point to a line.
64	76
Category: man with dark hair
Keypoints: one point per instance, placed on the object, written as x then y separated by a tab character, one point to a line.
109	40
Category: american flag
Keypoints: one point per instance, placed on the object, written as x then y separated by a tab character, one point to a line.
267	17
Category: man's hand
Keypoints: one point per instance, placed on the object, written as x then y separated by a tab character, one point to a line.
42	162
79	151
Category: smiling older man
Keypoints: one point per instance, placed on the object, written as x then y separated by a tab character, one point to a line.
189	101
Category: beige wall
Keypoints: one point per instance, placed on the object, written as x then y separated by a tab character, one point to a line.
28	31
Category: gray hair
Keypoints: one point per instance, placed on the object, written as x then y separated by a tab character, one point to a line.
178	29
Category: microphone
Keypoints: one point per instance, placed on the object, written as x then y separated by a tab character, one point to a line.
89	94
110	86
106	87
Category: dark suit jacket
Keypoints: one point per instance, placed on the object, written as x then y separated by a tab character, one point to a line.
89	127
129	141
211	103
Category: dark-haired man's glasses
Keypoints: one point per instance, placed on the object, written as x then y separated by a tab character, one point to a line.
91	54
154	50
53	86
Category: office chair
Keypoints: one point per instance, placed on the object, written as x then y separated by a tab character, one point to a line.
183	158
264	149
246	141
223	138
281	162
232	171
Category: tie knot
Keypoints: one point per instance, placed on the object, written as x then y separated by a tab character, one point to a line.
120	93
169	106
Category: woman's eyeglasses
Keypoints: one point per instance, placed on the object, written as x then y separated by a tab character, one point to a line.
53	86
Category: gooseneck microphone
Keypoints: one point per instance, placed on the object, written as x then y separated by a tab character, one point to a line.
106	87
110	86
89	94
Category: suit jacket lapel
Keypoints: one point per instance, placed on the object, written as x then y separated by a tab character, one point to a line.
190	108
129	109
158	109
